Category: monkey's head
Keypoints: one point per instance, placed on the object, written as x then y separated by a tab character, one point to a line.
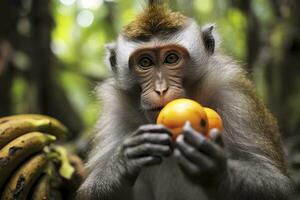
159	52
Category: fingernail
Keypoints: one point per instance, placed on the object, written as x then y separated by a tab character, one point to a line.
213	134
187	125
180	137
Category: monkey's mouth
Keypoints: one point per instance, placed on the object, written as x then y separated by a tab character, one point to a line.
152	113
156	109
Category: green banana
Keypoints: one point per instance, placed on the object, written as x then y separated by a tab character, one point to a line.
19	150
15	126
41	190
19	185
66	170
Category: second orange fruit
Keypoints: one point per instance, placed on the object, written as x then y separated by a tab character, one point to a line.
214	120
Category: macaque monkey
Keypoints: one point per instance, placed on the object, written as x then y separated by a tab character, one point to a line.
161	56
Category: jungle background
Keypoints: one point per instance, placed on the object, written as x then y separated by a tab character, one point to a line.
51	57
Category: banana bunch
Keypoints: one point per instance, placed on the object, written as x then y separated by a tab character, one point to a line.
27	164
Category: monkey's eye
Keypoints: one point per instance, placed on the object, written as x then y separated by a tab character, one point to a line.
145	62
172	58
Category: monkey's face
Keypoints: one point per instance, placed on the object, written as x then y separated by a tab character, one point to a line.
159	71
163	66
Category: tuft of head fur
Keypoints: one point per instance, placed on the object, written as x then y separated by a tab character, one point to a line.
153	2
156	20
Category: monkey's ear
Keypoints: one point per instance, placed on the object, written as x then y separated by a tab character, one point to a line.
209	38
111	56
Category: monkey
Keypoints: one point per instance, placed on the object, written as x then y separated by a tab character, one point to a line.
164	55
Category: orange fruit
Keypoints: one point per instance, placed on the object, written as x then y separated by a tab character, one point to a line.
214	120
177	112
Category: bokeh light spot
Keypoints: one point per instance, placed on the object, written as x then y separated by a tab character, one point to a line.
90	4
85	18
67	2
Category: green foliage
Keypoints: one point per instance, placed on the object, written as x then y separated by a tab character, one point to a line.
18	88
233	29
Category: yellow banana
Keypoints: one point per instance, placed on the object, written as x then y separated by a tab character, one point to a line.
15	126
19	150
28	116
41	189
24	177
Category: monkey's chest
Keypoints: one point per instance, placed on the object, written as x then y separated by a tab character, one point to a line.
166	182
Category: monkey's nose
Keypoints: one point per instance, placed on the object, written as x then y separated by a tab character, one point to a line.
161	86
161	91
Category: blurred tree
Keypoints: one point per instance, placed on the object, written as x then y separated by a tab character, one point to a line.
27	29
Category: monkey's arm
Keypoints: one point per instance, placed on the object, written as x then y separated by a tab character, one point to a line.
253	166
106	183
107	164
114	172
105	177
251	176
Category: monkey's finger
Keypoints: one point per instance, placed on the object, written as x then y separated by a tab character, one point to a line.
216	137
147	161
199	142
185	165
147	150
153	138
213	150
152	128
193	154
192	136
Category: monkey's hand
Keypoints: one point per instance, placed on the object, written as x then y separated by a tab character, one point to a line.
202	160
146	146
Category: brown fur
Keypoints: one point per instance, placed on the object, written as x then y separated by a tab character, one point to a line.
157	19
264	124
